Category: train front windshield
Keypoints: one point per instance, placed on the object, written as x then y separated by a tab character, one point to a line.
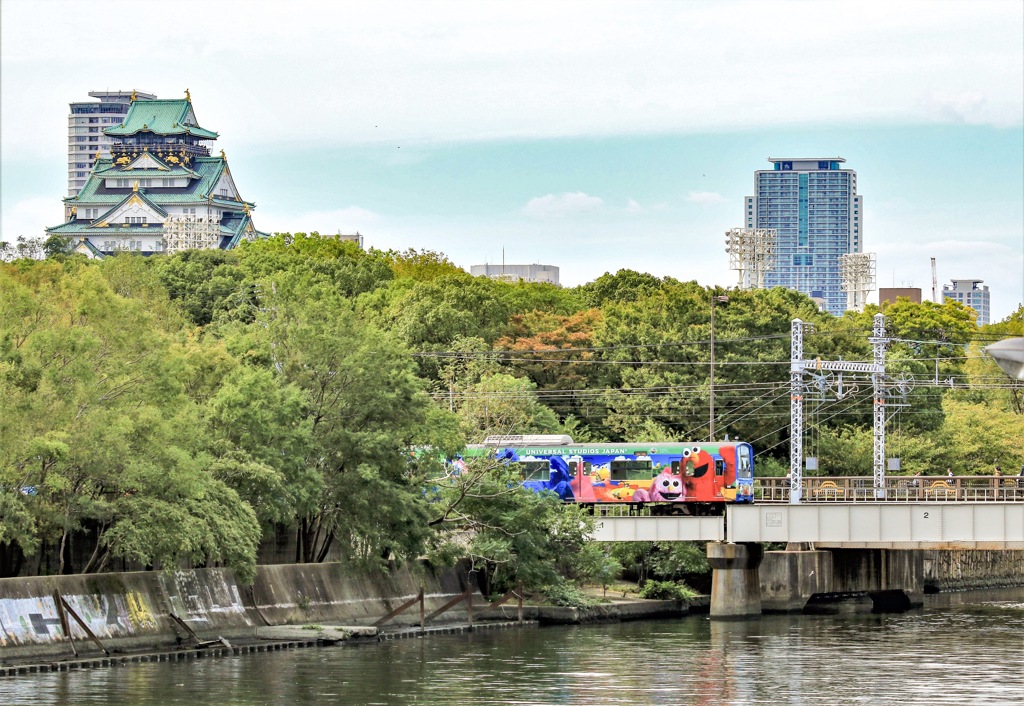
744	462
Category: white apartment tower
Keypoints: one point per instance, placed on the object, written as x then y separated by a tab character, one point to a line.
86	139
813	205
969	292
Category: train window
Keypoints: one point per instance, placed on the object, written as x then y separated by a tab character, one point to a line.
675	468
744	462
536	470
719	467
631	470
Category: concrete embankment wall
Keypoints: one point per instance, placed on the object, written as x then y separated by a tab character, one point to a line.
129	611
972	568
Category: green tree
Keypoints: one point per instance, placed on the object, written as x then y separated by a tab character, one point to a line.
483	513
340	265
365	408
989	384
503	404
95	420
205	284
976	437
623	286
421	266
56	245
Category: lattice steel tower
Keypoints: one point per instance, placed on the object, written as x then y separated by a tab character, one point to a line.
857	271
751	253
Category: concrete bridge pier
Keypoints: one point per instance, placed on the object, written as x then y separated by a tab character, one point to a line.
735	582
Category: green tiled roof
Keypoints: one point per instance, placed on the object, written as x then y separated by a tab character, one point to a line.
207	169
240	227
84	228
93	250
161	117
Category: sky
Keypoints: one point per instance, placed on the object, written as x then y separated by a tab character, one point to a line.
593	136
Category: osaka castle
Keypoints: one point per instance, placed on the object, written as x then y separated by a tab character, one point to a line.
159	191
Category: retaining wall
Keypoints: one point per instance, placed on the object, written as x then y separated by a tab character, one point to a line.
973	568
128	611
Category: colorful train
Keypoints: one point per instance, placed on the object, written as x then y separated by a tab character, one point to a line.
692	478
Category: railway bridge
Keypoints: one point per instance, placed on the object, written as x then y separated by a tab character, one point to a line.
841	538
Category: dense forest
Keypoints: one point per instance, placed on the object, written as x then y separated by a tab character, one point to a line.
176	410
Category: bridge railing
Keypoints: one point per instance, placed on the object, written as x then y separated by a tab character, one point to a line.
824	489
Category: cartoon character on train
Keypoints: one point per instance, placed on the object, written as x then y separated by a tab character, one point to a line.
619	479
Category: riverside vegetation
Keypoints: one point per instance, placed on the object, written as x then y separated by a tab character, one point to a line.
177	410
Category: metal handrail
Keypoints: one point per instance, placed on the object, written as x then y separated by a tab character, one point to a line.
817	489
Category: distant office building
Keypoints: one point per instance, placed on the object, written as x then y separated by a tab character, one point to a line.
891	294
515	273
86	138
160	190
813	205
356	237
969	293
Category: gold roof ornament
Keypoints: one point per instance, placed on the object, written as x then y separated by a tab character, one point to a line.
135	186
134	95
222	155
74	211
246	207
188	96
97	155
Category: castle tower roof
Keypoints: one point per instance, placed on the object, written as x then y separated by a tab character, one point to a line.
161	117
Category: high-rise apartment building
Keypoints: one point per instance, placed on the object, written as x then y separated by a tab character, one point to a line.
86	138
814	206
969	293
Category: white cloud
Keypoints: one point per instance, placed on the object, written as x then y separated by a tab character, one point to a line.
705	197
402	72
559	205
30	216
964	107
346	220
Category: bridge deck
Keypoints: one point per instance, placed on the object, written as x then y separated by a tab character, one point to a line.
963	525
918	525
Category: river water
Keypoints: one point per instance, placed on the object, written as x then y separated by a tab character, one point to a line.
962	648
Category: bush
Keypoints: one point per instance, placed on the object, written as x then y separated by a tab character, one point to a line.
569	595
665	591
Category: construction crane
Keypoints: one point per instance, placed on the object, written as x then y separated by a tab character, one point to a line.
935	284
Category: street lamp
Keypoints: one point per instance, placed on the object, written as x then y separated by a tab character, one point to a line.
711	416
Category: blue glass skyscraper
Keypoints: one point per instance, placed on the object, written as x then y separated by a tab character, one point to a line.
814	206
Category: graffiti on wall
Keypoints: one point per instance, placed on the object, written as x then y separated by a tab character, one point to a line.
36	621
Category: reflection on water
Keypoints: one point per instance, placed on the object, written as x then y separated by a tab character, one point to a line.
963	648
